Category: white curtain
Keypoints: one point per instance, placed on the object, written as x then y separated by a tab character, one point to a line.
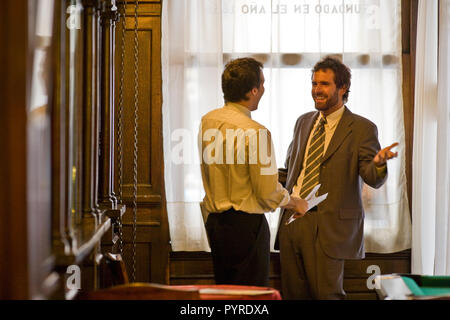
192	66
431	149
289	37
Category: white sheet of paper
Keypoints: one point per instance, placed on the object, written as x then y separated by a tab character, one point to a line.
234	291
291	219
312	201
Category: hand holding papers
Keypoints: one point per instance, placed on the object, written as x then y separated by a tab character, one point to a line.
312	202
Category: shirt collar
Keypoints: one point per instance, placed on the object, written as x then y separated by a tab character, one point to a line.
239	107
333	118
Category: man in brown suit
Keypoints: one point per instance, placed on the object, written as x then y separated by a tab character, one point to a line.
334	148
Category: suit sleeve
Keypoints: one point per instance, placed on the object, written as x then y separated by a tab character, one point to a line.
282	172
289	151
368	148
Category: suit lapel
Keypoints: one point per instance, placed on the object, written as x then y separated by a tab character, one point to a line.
303	136
343	129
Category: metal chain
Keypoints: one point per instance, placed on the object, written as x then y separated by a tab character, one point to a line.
120	123
135	158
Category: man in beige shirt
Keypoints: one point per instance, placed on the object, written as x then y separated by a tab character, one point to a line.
240	179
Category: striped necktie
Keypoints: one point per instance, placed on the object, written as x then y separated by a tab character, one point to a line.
315	153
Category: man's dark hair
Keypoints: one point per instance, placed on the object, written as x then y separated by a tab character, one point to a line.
342	74
239	77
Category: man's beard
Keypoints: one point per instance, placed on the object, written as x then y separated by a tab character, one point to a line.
330	102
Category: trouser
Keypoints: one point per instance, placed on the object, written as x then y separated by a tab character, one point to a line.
306	271
240	247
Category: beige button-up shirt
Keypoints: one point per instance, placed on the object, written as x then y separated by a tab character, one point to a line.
237	172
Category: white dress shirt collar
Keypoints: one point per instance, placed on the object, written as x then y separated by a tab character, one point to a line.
333	118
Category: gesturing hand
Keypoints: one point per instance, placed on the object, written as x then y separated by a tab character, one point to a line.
385	154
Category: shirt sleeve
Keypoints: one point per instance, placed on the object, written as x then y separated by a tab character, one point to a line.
269	193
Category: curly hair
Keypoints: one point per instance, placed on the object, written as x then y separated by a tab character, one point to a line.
342	74
239	77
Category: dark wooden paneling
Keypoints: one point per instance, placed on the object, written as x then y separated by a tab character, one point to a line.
196	268
409	31
152	236
149	264
13	164
150	160
362	296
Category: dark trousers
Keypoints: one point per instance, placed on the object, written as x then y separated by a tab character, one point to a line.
240	247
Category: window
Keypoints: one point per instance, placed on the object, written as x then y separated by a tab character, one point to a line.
289	37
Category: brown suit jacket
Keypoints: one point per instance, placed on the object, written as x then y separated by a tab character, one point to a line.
347	159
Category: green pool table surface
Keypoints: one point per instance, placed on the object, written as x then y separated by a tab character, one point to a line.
413	286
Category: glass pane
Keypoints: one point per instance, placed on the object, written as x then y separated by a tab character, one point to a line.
74	79
39	146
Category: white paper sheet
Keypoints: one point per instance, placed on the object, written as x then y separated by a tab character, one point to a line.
312	201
